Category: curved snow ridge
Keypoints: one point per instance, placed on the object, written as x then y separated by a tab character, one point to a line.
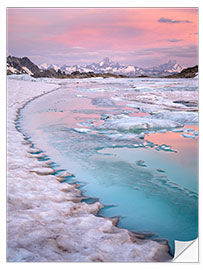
137	124
46	219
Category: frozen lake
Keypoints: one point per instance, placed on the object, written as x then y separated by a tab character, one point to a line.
131	143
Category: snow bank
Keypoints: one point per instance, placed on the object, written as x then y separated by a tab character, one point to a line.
46	219
24	77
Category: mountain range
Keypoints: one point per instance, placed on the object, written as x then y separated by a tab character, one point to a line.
105	68
23	65
109	66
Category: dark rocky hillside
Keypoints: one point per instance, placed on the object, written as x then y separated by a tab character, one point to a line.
81	75
49	73
189	72
21	65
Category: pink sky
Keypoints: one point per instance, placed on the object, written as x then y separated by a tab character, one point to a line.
138	36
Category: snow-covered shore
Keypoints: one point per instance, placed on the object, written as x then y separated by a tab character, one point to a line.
46	219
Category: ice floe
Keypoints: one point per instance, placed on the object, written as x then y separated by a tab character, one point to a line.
137	124
82	130
188	136
102	101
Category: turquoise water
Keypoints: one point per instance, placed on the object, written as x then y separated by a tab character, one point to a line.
150	183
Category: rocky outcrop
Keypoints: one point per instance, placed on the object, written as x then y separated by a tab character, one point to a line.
17	65
81	75
49	73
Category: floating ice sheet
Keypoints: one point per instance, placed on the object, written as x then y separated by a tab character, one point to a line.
137	124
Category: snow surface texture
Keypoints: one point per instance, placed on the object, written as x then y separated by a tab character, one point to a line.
46	219
164	100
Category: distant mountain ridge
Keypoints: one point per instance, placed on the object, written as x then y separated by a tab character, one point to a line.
109	66
105	68
23	65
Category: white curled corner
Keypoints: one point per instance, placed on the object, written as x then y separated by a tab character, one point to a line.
186	251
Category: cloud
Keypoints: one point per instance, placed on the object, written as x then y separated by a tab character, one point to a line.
77	48
166	20
170	40
174	40
179	51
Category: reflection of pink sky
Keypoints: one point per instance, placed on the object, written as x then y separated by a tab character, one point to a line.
175	140
187	148
95	32
72	119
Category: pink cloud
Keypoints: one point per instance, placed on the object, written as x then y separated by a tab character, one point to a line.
134	27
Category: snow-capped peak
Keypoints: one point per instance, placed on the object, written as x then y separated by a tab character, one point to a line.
170	67
108	66
105	62
49	66
43	66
